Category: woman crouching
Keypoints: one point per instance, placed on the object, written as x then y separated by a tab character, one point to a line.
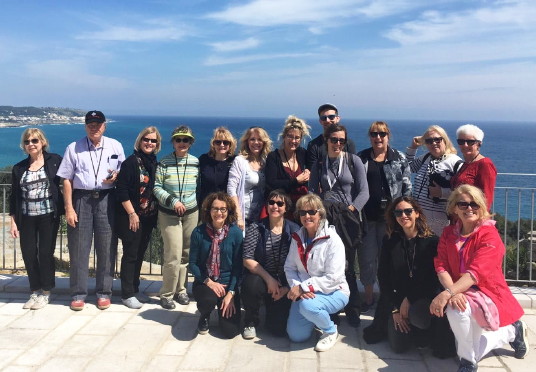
315	272
216	263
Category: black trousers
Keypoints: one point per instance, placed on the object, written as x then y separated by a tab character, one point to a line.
207	301
354	303
37	243
254	291
134	246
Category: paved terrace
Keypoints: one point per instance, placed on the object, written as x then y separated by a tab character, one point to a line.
153	339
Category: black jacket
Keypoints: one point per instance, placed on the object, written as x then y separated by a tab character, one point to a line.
277	177
52	163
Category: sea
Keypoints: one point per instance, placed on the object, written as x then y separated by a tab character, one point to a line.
509	144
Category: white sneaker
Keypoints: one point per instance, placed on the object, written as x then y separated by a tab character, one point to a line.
31	301
249	333
326	341
41	302
132	303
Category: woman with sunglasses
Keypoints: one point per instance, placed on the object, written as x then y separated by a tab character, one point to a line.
388	177
266	247
216	264
477	170
35	207
137	214
285	167
433	172
408	283
175	188
341	182
246	176
315	272
214	166
481	310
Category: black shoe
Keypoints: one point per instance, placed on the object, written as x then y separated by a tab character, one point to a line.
202	326
335	319
167	303
521	342
352	316
365	308
182	298
467	366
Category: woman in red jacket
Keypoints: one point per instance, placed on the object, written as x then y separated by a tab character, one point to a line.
469	267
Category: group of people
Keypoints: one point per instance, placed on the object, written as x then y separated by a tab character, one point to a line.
287	227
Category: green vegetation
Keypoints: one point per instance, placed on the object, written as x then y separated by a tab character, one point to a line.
39	111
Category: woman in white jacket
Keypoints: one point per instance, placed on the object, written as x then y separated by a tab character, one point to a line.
315	272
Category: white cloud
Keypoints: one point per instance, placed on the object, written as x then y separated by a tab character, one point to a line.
132	34
235	45
216	60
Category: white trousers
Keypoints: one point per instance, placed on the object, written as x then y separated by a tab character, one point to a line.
472	341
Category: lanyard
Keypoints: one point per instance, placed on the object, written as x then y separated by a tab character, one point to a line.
181	183
330	182
95	172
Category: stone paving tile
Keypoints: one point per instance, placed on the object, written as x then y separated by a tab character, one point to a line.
8	355
212	351
18	369
84	345
5	280
66	363
106	323
154	314
302	364
164	363
42	319
14	338
255	358
5	320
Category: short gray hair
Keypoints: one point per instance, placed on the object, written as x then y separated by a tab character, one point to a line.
470	130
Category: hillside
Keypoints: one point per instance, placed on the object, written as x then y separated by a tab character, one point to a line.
11	116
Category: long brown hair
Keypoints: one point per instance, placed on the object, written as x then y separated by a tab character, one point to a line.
423	230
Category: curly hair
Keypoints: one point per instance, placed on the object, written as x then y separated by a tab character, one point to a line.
294	122
423	230
206	217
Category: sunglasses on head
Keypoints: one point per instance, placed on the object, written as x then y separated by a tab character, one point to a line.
279	203
406	211
310	212
376	134
326	117
466	141
152	140
334	140
35	141
221	142
183	140
429	141
464	205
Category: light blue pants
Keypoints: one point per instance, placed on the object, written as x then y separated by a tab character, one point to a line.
307	313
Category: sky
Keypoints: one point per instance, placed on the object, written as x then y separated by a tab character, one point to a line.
379	59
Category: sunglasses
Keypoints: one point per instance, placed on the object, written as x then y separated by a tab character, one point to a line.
376	134
279	203
468	142
293	138
152	140
406	211
35	141
326	117
216	210
310	212
334	140
429	141
221	142
183	140
464	205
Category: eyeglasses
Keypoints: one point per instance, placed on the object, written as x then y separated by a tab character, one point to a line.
221	142
334	140
293	138
429	141
183	140
406	211
152	140
464	205
326	117
310	212
466	141
376	134
279	203
216	210
35	141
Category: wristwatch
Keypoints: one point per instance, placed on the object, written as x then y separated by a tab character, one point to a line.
232	293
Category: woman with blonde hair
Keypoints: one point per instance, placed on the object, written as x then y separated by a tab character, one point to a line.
433	172
481	310
285	167
246	176
35	207
137	214
214	166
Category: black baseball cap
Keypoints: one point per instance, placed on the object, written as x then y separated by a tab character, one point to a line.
327	106
95	117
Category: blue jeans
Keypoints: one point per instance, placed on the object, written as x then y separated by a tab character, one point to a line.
307	313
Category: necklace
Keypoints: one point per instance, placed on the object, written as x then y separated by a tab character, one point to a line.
412	264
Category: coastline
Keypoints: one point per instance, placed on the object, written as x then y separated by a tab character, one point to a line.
22	123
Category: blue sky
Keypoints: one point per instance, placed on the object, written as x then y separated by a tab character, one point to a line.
378	59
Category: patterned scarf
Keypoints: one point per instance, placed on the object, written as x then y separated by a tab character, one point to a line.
213	261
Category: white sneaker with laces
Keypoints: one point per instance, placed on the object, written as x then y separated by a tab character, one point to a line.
326	341
41	302
249	333
31	301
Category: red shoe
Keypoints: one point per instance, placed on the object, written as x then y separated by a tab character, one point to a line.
77	305
103	303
